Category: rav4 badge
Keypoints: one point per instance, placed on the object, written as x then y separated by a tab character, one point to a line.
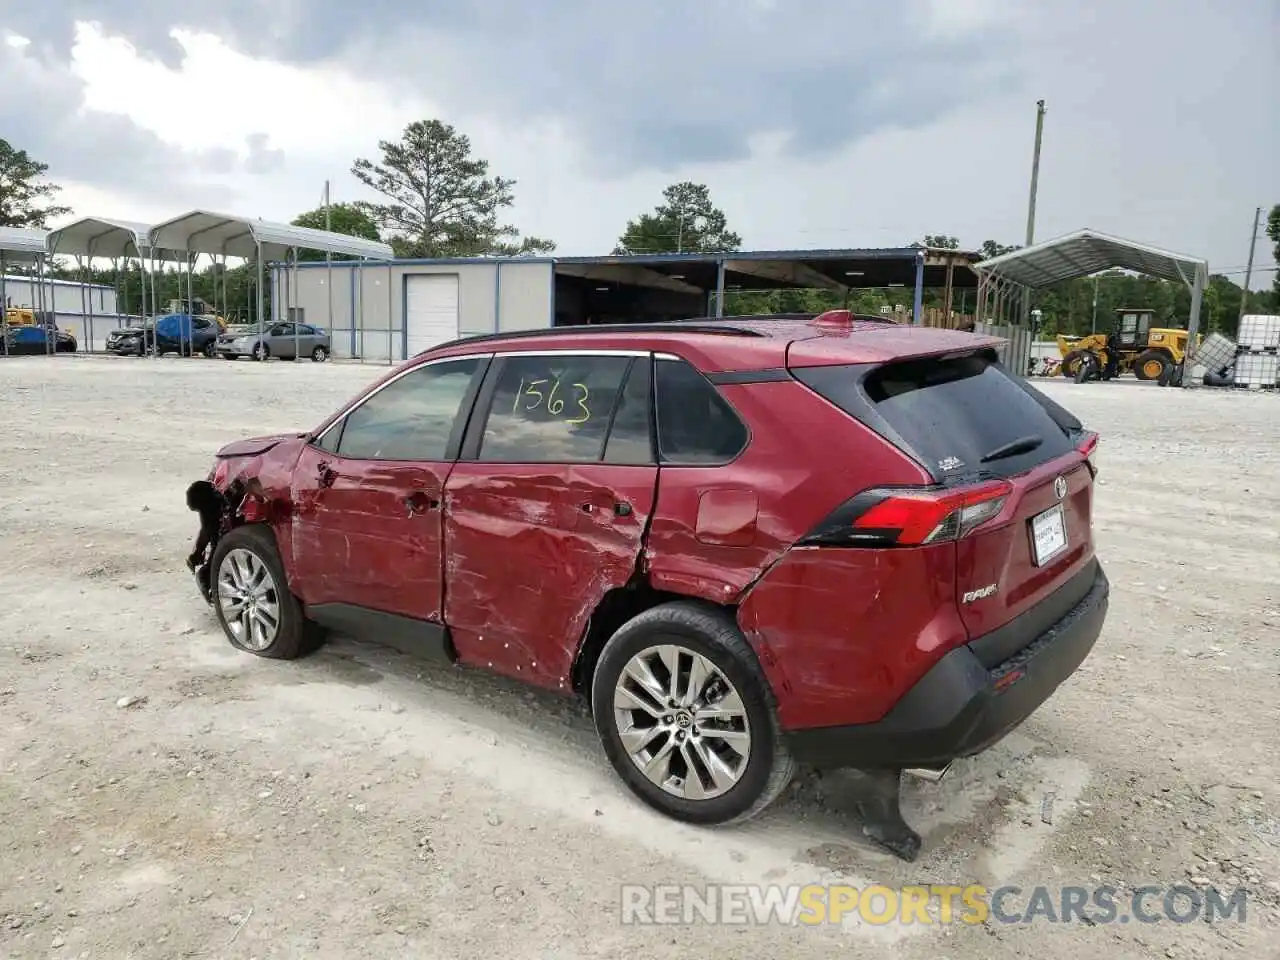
979	594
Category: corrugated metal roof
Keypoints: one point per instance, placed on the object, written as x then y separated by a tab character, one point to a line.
100	237
203	231
1087	252
22	244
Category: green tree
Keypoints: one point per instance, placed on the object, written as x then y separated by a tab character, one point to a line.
992	248
685	222
441	201
941	241
344	218
24	191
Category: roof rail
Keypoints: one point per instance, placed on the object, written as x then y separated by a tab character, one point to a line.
684	326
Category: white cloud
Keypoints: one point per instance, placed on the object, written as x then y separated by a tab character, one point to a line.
1139	140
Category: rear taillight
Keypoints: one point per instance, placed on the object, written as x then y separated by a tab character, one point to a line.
911	516
1089	447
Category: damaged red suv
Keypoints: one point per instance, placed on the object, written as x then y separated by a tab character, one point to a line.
746	542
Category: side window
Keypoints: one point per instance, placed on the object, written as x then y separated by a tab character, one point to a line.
551	409
631	433
695	423
332	438
304	330
410	419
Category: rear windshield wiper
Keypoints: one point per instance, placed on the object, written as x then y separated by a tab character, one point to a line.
1013	448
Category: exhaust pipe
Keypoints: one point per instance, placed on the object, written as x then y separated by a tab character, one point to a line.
932	774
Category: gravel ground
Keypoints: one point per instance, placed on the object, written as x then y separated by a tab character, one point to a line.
358	804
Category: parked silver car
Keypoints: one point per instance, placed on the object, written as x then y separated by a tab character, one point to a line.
278	340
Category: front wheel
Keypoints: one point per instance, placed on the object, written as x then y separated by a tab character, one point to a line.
687	718
319	355
257	611
1071	362
260	351
1087	368
1151	365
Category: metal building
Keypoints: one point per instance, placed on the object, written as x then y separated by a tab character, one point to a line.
380	311
68	300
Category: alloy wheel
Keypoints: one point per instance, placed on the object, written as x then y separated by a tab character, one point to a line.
248	599
682	722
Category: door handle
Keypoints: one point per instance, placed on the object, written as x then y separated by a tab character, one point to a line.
620	509
418	501
326	475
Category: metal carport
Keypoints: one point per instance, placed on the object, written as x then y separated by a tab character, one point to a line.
1005	280
203	231
115	240
23	245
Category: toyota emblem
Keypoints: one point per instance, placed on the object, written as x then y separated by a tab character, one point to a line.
1060	487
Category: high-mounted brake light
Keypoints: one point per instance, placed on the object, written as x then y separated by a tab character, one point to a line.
911	516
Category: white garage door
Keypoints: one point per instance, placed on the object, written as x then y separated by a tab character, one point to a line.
431	311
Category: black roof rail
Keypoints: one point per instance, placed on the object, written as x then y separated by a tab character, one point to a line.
684	326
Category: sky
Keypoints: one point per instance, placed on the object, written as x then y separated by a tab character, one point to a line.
815	123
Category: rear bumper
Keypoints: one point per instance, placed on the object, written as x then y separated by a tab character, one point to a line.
960	708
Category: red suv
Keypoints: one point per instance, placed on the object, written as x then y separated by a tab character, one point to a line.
747	542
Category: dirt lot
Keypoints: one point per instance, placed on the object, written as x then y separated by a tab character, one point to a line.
357	804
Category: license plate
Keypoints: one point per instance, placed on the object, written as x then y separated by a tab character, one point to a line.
1048	535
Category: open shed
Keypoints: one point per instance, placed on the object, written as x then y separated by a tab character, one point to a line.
648	287
219	234
1005	281
25	246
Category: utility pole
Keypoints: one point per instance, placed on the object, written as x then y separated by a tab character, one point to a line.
1248	270
1035	174
328	265
1031	206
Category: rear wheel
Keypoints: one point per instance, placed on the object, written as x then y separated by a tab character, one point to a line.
687	718
1151	365
257	611
210	350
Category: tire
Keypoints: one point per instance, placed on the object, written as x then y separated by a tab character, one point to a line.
210	350
245	556
1070	363
319	355
701	631
1151	365
261	352
1087	368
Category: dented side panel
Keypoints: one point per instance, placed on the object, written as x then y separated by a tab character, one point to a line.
717	529
850	639
530	552
269	473
368	533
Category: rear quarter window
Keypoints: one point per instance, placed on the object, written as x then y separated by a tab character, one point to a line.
950	414
695	424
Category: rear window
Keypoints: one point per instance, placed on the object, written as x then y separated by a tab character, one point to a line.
958	416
